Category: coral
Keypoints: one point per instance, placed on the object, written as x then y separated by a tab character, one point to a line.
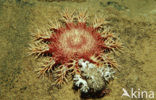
93	77
69	42
82	82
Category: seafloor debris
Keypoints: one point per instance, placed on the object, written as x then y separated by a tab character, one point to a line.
74	47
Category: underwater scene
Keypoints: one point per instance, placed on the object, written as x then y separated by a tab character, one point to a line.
77	49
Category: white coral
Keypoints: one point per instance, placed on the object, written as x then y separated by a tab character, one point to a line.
95	77
79	81
85	64
107	73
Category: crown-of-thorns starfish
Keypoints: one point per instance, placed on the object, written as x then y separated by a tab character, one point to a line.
71	40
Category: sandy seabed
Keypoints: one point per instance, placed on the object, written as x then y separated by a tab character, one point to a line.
134	21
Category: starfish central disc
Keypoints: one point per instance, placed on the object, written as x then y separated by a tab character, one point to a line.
76	41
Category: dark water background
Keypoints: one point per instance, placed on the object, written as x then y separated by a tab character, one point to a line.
133	20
